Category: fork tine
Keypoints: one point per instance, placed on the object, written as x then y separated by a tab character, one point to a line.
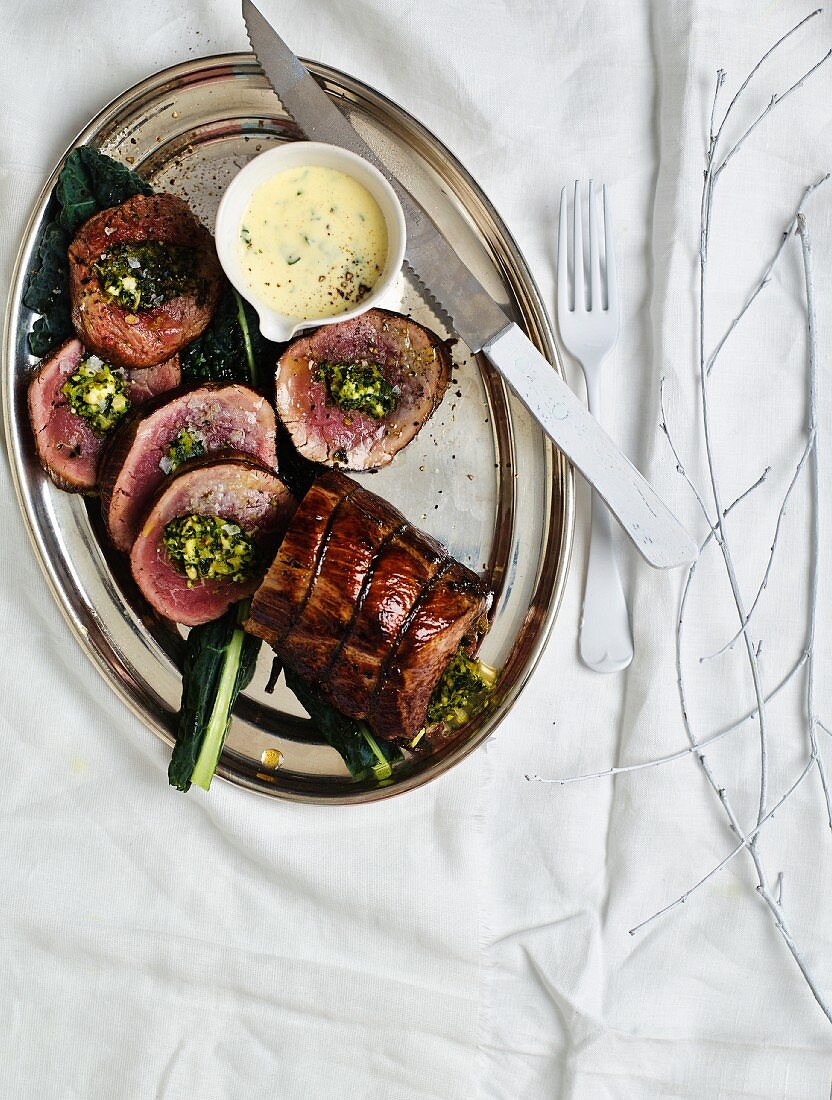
609	254
563	270
595	300
578	252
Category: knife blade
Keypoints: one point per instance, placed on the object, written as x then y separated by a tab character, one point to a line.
481	323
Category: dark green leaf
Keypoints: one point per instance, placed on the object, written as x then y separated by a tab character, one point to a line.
46	290
205	652
344	734
230	346
50	330
91	181
48	277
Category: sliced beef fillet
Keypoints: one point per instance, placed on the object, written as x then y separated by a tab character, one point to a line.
145	383
142	337
211	418
410	358
399	574
239	491
67	447
448	613
285	588
361	525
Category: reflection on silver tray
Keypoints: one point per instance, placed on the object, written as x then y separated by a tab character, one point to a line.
481	476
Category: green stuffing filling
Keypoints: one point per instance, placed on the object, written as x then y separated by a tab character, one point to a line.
97	393
189	443
141	275
359	386
463	691
209	548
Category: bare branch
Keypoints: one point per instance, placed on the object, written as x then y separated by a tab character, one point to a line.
807	450
744	842
766	279
681	754
754	72
775	101
812	355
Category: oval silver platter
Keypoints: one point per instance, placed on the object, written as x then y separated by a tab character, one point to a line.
481	476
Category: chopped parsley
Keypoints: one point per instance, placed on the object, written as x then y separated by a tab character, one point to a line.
96	393
209	548
142	275
463	691
361	387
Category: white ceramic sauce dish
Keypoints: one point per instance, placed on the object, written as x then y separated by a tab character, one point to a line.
236	201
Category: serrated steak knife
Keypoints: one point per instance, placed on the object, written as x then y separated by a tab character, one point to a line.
482	324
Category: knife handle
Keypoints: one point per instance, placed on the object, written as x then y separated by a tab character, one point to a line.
657	534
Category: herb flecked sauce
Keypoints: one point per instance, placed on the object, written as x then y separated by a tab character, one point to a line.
313	242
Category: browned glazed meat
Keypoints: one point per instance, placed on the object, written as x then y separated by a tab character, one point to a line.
282	595
361	523
360	602
399	574
229	417
414	360
449	611
237	489
143	338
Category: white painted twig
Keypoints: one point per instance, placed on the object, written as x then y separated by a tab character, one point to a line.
680	754
812	354
745	841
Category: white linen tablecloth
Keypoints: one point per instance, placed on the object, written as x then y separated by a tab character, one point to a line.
470	939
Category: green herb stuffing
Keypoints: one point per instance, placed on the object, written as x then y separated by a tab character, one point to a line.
209	548
364	754
142	275
89	182
359	386
189	443
463	691
219	664
97	393
232	348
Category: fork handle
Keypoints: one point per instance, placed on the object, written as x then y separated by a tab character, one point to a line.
606	640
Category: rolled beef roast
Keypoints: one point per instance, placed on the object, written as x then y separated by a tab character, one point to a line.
148	447
354	393
144	280
208	536
68	446
366	606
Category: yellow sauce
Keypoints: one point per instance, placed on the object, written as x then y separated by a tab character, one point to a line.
313	242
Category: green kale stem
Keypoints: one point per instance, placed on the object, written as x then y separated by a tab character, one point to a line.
217	727
382	769
241	317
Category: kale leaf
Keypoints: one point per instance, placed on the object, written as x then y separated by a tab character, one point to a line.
91	181
46	290
232	348
219	664
363	753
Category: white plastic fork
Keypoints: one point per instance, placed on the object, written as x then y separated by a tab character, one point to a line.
589	330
